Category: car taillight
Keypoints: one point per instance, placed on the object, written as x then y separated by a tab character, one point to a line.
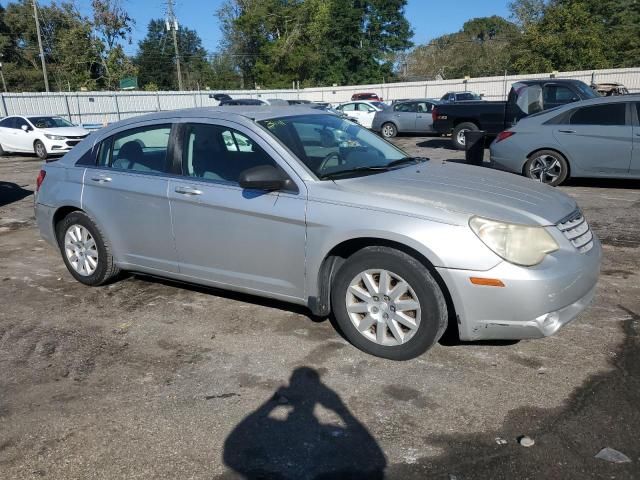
434	114
504	135
40	179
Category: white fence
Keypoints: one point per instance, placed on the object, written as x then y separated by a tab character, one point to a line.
104	107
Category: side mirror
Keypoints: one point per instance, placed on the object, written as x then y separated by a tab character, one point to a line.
25	128
263	177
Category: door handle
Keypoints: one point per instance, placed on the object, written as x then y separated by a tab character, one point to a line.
101	179
567	131
188	191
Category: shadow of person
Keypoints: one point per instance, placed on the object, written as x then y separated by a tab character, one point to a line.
284	440
11	192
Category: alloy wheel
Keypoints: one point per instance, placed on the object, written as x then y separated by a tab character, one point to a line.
545	169
383	307
461	137
387	131
81	250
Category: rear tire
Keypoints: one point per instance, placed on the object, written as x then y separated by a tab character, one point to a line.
389	130
40	150
457	136
548	167
84	250
406	312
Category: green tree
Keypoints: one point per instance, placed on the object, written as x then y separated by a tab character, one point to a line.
156	58
276	42
111	26
481	48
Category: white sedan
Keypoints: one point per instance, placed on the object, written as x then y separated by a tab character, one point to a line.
362	111
42	135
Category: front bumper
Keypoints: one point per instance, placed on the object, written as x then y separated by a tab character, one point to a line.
60	146
534	303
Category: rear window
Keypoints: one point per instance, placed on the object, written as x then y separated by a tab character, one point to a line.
607	115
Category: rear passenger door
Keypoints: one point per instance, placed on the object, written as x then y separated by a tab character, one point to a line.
247	239
424	119
597	138
126	192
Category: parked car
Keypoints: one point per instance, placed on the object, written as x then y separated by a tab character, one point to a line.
526	97
592	138
308	208
242	101
366	96
452	97
412	116
327	108
42	135
363	112
610	89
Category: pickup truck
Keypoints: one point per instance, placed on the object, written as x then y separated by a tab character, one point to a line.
525	98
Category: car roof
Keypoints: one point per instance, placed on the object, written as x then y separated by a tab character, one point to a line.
549	80
543	116
232	113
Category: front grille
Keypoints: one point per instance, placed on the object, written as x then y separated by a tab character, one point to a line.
74	137
577	230
73	143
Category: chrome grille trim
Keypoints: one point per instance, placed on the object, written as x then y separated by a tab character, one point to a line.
577	231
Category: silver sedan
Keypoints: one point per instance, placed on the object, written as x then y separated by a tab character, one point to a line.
406	116
298	205
592	138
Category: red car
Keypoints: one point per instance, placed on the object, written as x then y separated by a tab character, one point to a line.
366	96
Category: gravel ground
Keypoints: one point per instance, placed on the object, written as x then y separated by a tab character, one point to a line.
152	379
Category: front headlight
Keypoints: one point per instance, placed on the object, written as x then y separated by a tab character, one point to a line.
519	244
54	137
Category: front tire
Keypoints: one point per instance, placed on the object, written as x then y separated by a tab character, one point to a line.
84	250
548	167
388	304
457	136
389	130
40	149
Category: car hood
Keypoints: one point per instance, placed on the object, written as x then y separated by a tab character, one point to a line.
436	189
66	131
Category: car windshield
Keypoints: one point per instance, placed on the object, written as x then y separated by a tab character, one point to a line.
380	105
586	91
332	147
49	122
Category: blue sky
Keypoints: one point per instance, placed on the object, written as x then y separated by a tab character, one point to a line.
429	18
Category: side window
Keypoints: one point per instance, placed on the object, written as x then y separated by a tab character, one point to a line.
424	107
104	153
556	94
406	107
608	114
8	122
215	152
638	111
19	122
142	149
349	107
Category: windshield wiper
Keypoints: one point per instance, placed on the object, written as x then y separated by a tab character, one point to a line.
407	160
352	171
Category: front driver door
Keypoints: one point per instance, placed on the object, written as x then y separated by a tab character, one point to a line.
404	116
597	139
251	240
24	139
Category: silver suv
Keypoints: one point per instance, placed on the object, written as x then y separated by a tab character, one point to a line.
295	204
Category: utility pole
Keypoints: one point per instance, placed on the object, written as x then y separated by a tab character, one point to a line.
172	24
44	65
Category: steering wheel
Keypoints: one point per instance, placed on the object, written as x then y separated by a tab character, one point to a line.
326	159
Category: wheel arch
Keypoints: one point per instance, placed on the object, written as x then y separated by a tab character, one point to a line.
333	260
552	149
475	121
62	212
